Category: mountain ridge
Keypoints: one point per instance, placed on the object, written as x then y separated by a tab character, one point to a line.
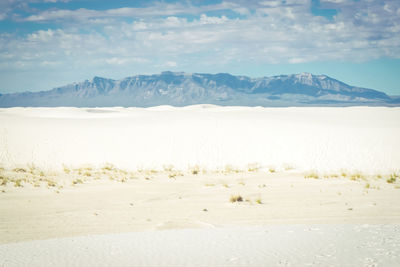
181	89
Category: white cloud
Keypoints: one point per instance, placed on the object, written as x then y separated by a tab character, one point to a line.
271	33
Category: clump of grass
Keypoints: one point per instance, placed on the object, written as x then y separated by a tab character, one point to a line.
236	198
253	167
168	168
66	169
18	183
3	181
225	185
391	180
230	169
356	176
195	170
209	184
367	185
19	170
51	183
87	174
259	201
108	167
288	167
312	175
271	169
77	181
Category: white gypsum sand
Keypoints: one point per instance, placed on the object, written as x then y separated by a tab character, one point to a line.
322	139
283	245
68	172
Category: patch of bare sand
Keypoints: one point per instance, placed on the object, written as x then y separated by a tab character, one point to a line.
158	201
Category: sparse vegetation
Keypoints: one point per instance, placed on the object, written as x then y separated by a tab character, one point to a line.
230	169
3	181
356	176
18	183
236	198
272	170
195	170
258	200
77	181
391	180
312	175
253	167
19	170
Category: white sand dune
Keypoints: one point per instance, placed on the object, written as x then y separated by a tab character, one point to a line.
166	195
284	245
323	139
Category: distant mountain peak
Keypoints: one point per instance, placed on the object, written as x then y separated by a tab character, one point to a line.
180	89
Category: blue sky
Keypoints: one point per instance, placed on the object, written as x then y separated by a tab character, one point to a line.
49	43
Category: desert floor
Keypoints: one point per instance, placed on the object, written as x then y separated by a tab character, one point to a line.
98	202
200	186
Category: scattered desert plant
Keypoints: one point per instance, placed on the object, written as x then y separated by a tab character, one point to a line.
168	168
391	180
272	169
18	183
225	185
66	169
288	167
236	198
258	200
253	167
210	184
3	180
108	167
367	185
77	181
356	176
230	169
195	170
19	170
313	175
51	183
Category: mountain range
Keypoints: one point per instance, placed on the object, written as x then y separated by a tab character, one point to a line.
181	89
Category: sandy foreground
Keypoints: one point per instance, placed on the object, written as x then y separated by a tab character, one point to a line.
200	186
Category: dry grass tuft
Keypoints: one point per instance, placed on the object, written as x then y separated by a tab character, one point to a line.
236	198
313	175
77	181
253	167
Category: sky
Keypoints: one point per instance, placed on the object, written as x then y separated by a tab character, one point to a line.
50	43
